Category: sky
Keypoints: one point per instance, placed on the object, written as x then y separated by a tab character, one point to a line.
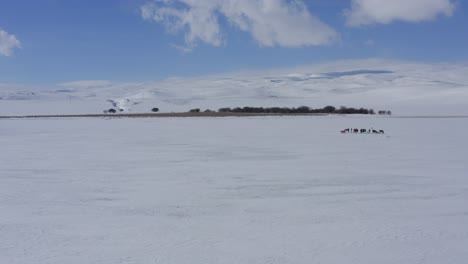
55	41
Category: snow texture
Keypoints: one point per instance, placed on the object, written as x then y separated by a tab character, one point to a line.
233	190
403	87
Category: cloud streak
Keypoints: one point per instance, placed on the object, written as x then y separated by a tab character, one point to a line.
8	43
283	23
86	84
367	12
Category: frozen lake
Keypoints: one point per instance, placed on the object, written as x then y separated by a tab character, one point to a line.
233	190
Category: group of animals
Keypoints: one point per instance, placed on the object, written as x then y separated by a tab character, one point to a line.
362	131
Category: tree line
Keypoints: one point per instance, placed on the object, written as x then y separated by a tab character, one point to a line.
299	110
284	110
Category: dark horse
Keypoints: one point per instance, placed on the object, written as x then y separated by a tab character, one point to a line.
362	131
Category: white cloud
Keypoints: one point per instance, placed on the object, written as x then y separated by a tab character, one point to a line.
366	12
369	42
87	84
8	43
286	23
182	49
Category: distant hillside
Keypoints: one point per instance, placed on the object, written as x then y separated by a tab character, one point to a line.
404	88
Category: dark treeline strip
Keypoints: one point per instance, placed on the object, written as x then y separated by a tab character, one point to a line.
300	110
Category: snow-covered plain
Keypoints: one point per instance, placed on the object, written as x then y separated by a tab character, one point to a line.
233	190
406	88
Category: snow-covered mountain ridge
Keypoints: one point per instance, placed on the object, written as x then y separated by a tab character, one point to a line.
404	88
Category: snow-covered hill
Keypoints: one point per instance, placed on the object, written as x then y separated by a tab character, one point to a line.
405	88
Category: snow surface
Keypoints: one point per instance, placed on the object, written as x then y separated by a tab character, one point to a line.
233	190
403	87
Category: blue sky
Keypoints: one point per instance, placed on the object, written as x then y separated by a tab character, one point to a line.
54	41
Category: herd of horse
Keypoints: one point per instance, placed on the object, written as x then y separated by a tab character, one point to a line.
362	131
